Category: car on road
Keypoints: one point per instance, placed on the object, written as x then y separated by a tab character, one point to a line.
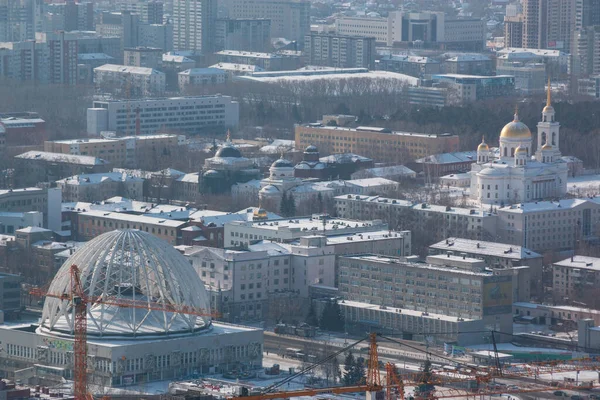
559	393
576	397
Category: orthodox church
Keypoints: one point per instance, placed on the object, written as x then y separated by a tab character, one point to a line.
226	168
515	174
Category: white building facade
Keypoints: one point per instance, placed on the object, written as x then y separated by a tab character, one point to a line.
516	175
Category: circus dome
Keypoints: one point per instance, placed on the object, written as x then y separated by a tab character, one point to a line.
129	266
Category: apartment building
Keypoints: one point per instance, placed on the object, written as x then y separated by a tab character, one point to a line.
99	187
376	27
289	19
586	51
250	34
156	35
450	286
243	233
93	223
589	86
380	144
150	12
193	77
123	24
529	78
266	61
248	285
469	64
339	51
124	151
575	275
194	23
190	115
34	167
138	81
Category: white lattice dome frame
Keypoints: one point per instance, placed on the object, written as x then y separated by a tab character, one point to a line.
111	266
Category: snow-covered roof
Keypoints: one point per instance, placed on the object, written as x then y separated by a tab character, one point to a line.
62	158
485	248
94	56
370	182
468	57
344	158
173	58
135	218
32	229
191	178
450	158
203	71
125	69
234	67
580	262
94	179
277	145
249	54
337	74
383	172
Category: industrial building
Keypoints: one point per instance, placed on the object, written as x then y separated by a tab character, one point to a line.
127	345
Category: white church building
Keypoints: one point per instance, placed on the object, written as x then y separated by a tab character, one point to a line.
515	174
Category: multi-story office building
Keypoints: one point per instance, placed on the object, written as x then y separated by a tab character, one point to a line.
124	151
34	167
409	65
46	201
470	88
243	233
556	61
469	64
339	51
513	31
147	57
590	13
250	284
529	78
123	24
243	34
450	286
550	23
194	25
266	61
202	112
18	20
156	35
129	81
99	187
92	42
289	19
575	275
380	144
431	29
10	295
94	223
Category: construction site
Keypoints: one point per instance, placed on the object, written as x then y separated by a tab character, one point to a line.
124	318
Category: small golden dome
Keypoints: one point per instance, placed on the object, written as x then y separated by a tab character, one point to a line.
547	147
483	145
515	130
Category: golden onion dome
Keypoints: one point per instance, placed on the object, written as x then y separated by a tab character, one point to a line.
483	145
520	150
547	146
515	130
548	109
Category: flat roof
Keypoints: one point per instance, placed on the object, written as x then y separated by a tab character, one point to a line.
394	310
23	190
580	262
558	308
144	219
128	70
485	248
64	158
307	224
402	261
540	206
363	237
465	76
375	129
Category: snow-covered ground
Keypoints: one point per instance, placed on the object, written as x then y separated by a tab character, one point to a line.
584	185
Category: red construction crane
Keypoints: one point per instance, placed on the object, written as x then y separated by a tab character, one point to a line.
80	302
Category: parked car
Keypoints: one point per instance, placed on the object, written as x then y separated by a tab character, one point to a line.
576	397
559	393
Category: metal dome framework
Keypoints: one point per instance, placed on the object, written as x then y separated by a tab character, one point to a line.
134	266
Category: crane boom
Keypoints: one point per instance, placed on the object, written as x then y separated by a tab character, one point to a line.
312	392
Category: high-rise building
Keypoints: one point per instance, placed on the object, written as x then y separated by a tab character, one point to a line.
122	24
150	12
590	12
550	23
253	34
513	31
194	24
290	19
340	51
586	51
18	19
156	35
